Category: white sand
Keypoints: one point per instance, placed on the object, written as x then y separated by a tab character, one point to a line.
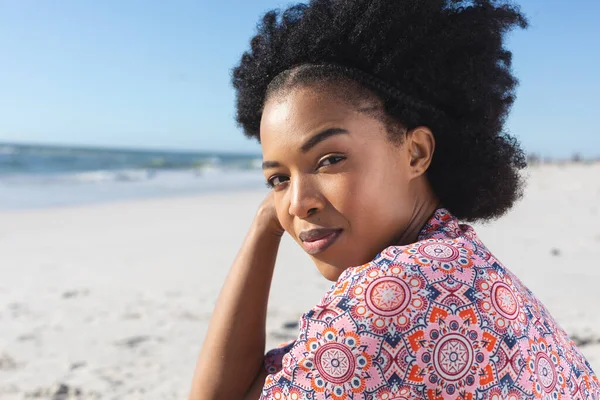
113	300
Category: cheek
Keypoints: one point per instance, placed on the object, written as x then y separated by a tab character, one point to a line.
371	199
353	194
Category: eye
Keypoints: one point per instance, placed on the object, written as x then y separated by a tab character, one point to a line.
276	180
330	160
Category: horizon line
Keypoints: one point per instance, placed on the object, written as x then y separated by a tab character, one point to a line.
125	148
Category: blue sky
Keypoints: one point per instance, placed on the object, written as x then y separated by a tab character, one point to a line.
156	74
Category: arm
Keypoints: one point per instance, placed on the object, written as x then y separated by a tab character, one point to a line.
257	387
231	359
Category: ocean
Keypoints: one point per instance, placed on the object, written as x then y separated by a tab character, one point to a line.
34	176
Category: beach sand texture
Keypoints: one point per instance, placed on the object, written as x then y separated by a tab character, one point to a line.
112	301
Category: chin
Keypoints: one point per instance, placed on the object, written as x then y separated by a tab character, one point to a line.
330	274
330	271
331	264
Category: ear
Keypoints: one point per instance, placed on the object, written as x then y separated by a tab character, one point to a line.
420	145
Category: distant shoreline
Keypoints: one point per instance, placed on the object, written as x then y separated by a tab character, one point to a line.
127	149
34	176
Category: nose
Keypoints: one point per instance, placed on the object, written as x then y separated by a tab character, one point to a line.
306	198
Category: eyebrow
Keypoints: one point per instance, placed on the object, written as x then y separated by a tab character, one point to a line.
310	143
270	164
319	137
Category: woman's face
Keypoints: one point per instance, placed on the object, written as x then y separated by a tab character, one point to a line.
342	189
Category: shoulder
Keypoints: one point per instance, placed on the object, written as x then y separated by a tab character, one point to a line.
440	318
403	272
373	330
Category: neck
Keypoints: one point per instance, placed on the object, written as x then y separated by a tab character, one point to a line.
423	210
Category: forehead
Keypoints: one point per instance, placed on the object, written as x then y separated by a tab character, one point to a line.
295	114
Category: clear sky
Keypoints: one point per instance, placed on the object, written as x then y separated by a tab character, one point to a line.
156	74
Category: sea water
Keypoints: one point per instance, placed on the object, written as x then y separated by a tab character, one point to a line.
33	176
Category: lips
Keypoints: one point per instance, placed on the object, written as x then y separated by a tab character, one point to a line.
317	240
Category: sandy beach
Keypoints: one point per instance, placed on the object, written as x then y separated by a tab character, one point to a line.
112	301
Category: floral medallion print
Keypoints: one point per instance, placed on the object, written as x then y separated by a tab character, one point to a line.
498	393
444	256
388	296
500	303
388	299
545	366
441	258
437	319
454	355
336	361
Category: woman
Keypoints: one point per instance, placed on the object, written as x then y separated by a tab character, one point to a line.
381	125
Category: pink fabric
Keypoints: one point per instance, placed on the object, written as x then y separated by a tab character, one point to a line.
438	319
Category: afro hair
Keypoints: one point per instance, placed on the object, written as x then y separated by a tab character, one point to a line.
435	63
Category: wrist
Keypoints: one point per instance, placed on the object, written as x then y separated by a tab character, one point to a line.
265	224
265	230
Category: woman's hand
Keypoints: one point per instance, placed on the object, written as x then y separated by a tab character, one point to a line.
266	217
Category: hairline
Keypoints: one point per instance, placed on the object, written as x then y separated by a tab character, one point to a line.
356	90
